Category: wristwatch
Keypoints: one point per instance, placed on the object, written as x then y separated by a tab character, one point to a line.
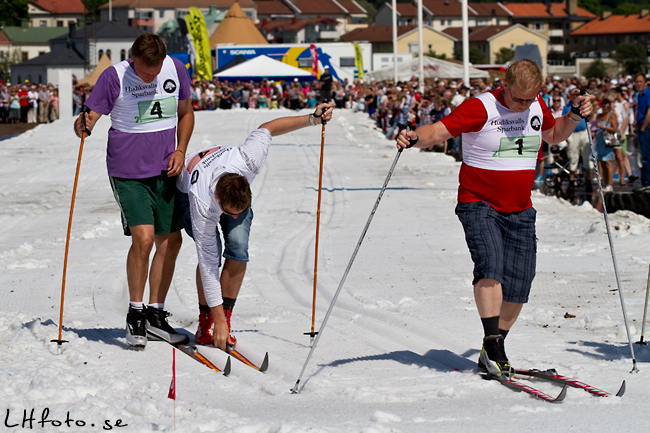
312	120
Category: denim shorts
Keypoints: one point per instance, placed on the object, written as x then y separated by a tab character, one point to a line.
236	231
503	247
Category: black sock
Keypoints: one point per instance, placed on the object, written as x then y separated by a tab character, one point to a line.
504	333
229	303
204	308
490	325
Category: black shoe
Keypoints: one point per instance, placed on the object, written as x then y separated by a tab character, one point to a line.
136	329
643	189
158	328
493	359
633	178
588	188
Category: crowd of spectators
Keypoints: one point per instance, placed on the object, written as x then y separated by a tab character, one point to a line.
393	106
28	103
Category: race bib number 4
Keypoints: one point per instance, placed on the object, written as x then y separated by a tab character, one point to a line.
518	147
158	109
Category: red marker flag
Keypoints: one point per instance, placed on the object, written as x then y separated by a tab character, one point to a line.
314	59
172	386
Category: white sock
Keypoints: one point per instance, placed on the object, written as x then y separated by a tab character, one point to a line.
136	305
158	306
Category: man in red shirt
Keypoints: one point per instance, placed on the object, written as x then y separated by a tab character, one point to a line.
502	132
23	98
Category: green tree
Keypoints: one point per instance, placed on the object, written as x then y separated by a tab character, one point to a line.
433	54
504	55
592	6
631	57
475	55
11	58
597	69
13	11
92	6
627	9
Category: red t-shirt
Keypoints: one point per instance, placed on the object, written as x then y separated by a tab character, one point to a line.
506	190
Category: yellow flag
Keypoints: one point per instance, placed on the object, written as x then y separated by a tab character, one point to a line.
358	60
198	31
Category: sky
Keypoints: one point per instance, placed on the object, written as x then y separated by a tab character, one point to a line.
399	351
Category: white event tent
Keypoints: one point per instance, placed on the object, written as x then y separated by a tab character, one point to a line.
433	68
264	67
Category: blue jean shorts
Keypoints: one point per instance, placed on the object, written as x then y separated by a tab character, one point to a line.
503	247
236	231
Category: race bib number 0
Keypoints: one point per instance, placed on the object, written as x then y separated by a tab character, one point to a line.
518	147
158	109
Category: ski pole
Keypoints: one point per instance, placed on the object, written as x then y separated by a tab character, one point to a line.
312	334
85	132
645	311
611	248
295	389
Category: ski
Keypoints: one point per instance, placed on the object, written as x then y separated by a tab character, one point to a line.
193	352
238	356
520	386
552	375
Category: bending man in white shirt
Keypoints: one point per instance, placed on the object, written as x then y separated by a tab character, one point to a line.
214	193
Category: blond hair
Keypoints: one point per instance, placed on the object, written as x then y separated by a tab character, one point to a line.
525	74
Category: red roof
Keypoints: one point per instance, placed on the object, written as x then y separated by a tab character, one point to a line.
3	39
61	6
201	4
274	7
292	24
541	10
317	7
375	34
352	7
615	24
476	34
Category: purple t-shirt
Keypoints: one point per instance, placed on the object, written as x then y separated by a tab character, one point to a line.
135	156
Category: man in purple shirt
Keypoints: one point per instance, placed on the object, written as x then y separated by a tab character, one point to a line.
148	99
643	129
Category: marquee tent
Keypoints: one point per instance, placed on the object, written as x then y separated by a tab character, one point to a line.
236	28
433	68
104	63
262	67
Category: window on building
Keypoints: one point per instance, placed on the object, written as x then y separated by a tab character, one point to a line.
24	56
59	23
414	47
100	53
161	14
122	55
108	53
42	23
346	62
304	62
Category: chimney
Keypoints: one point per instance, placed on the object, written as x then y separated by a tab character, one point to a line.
549	7
643	13
572	7
71	31
605	14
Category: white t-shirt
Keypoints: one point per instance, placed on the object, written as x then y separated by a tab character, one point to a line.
203	169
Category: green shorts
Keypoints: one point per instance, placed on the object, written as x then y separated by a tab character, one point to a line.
149	201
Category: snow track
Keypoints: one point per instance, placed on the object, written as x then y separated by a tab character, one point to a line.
403	326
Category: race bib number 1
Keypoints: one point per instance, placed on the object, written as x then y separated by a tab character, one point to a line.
158	109
518	147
